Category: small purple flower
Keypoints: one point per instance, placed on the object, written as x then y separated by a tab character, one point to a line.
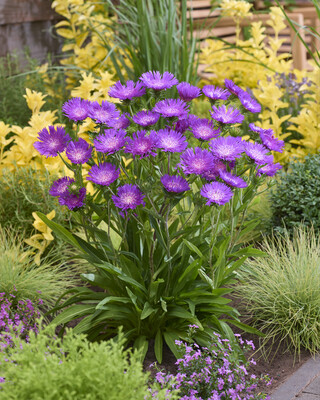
174	183
188	92
172	108
214	172
258	153
171	141
196	161
104	113
120	123
215	93
269	169
233	88
216	192
52	141
79	152
73	200
203	129
226	115
227	148
127	91
268	139
154	80
76	109
60	186
141	144
128	197
111	141
249	103
146	118
233	180
103	174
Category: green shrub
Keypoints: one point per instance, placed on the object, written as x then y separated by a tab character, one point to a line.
296	197
282	290
75	369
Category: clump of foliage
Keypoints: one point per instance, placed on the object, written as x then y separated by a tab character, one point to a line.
75	369
295	198
282	290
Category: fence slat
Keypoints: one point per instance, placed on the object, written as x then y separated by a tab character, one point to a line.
19	11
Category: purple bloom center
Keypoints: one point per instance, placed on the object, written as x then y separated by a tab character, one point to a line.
111	141
171	141
103	174
188	92
79	152
175	184
215	93
154	80
216	192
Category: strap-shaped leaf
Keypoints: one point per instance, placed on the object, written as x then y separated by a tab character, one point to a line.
73	312
158	346
170	339
193	248
147	310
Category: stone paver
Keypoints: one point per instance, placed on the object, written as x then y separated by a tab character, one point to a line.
307	396
314	386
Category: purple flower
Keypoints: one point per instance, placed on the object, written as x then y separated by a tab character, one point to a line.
76	109
171	141
233	88
120	123
196	161
226	115
174	183
146	118
103	174
79	152
129	197
73	200
111	141
52	141
141	144
154	80
60	186
269	169
203	129
232	180
227	148
258	153
188	92
104	113
214	171
268	139
127	91
215	93
172	108
249	103
216	192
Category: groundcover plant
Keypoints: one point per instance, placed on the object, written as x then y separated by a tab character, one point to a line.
163	228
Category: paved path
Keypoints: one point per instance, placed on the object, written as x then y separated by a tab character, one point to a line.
304	384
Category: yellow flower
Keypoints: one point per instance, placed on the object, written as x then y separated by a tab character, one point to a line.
235	8
42	226
34	100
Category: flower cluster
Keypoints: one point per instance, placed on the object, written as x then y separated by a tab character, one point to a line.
207	149
213	373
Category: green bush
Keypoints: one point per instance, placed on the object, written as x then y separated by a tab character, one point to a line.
73	369
296	197
282	290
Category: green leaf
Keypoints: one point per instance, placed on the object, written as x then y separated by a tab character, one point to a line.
193	248
158	346
245	327
112	299
73	312
163	304
141	344
170	339
147	310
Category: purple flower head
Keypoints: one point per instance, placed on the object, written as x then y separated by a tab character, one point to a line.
182	125
104	113
127	91
258	153
146	118
79	152
60	186
226	115
269	169
111	141
141	144
171	141
188	92
249	103
172	108
215	93
214	172
196	161
203	129
103	174
233	88
128	197
227	148
175	183
154	80
216	192
120	123
52	141
76	109
73	200
268	139
233	180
